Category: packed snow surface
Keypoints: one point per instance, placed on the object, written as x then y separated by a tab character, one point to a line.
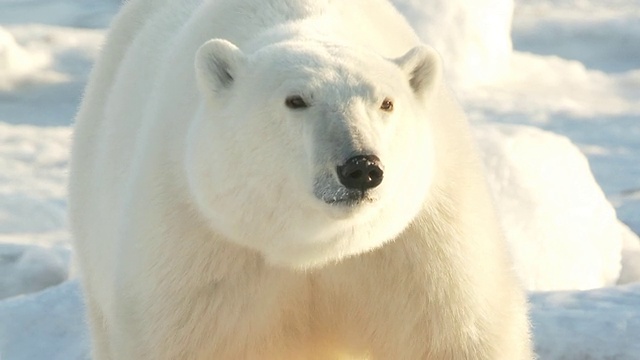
557	121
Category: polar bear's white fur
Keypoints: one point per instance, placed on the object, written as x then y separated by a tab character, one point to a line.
209	218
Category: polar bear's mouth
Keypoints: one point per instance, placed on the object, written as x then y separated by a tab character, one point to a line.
331	192
352	198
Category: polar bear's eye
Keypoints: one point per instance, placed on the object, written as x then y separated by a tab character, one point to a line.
387	105
295	102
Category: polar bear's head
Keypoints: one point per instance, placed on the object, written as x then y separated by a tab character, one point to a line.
310	152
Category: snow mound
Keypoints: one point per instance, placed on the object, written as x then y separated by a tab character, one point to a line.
595	325
536	86
473	37
27	269
563	232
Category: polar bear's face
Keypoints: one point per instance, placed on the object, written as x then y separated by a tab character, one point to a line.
310	152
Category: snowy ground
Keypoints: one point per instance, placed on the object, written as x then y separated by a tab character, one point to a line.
578	66
575	71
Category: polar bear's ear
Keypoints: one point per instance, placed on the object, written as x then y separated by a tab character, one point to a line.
217	64
423	67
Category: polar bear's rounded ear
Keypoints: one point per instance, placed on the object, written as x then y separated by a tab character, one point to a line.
217	64
423	67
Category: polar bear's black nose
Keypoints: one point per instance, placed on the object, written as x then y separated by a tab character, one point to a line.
361	172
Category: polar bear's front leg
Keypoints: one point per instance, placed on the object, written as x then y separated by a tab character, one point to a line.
99	331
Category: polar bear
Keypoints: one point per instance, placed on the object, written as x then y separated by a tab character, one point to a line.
283	179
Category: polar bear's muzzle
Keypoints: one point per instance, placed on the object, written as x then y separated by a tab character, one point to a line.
356	178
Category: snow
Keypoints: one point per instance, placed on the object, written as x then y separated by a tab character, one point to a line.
48	325
536	175
29	268
33	183
71	13
630	260
585	325
556	119
588	45
527	91
43	70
